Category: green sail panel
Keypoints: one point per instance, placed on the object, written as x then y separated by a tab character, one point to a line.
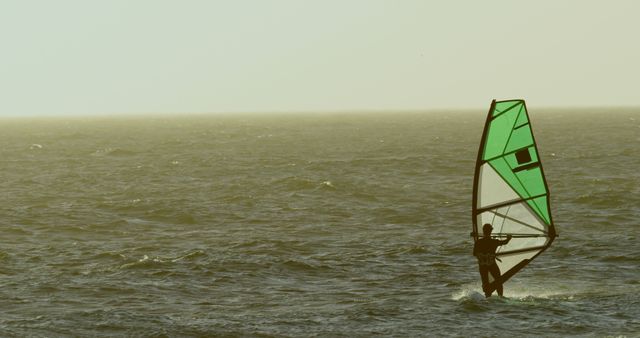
505	106
510	191
522	119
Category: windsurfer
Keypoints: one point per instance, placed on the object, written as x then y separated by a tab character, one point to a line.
485	250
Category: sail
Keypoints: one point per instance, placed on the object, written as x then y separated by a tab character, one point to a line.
509	189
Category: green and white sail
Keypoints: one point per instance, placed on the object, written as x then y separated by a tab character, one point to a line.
509	189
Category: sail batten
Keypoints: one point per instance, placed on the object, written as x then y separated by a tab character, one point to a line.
510	190
507	203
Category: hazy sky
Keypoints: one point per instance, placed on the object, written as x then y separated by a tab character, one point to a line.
135	56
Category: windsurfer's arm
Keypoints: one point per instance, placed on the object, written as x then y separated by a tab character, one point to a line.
506	240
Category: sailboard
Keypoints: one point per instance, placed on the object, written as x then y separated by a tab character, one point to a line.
510	191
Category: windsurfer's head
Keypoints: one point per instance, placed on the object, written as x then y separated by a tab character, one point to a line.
486	229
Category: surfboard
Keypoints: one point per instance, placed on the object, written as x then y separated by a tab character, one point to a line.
510	191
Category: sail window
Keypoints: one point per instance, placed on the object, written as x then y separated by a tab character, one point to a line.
523	156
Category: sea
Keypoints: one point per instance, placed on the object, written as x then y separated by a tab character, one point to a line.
305	225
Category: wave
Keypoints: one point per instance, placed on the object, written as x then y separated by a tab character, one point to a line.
114	152
147	262
367	162
302	266
144	262
166	216
299	184
272	246
417	249
16	230
619	258
189	256
297	265
109	255
294	183
74	136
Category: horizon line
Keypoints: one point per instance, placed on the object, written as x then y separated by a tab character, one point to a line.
544	109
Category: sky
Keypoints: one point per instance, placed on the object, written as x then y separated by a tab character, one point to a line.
183	56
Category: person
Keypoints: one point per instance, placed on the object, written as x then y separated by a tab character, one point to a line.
485	250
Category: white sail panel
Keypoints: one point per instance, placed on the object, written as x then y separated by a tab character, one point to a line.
507	262
513	219
492	188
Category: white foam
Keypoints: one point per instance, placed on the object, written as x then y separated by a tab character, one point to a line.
469	291
327	184
515	291
538	291
518	293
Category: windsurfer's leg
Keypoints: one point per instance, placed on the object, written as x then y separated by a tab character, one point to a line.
484	275
495	272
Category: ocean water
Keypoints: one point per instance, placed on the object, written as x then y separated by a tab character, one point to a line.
335	225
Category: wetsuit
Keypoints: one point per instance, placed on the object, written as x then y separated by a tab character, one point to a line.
485	250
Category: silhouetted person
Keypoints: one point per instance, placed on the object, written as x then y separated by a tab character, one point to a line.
485	250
